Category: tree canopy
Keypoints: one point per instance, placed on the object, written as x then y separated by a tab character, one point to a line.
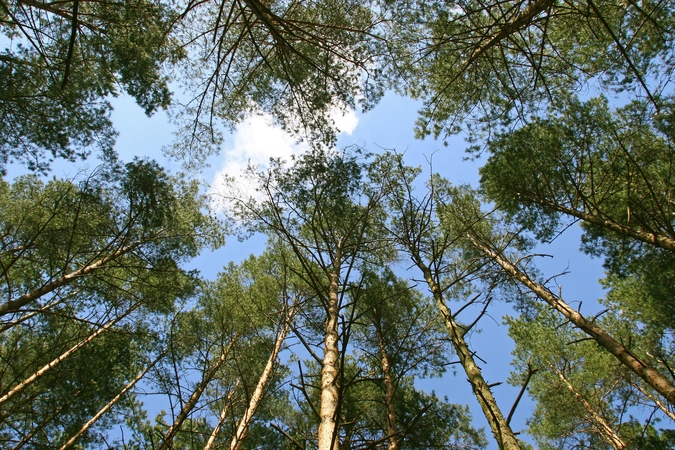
373	282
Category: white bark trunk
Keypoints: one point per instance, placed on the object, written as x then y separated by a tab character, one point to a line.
46	368
328	432
221	418
254	402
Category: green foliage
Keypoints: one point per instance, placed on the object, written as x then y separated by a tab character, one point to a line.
53	408
549	349
647	437
613	170
483	64
56	75
123	233
397	319
615	165
296	61
76	254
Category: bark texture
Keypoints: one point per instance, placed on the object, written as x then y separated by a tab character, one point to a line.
328	432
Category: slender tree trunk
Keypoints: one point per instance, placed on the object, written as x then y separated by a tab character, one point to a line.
109	405
46	368
656	401
14	305
600	423
9	325
659	240
194	398
221	418
652	377
500	428
389	390
328	432
254	402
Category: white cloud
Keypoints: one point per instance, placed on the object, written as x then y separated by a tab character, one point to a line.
254	142
345	120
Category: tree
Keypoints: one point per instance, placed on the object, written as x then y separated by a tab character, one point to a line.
570	371
485	64
62	60
431	231
224	358
322	209
60	238
611	170
85	270
583	397
400	339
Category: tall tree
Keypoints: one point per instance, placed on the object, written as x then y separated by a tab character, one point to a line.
87	269
610	169
63	239
323	210
427	230
400	339
583	398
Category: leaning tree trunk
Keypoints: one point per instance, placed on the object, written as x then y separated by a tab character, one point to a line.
253	404
47	367
194	398
221	418
109	405
650	375
501	430
16	304
328	432
606	431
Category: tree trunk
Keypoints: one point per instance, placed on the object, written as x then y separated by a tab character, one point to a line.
656	401
253	404
500	428
14	305
389	391
601	424
194	398
221	418
46	368
109	405
652	377
328	432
